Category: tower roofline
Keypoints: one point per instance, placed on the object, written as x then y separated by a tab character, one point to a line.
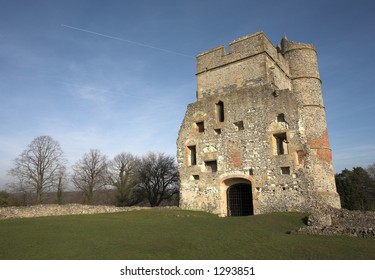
233	42
287	46
239	49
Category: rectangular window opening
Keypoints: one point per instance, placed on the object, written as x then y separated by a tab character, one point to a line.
285	170
281	144
211	166
217	131
199	126
192	155
220	111
196	177
280	118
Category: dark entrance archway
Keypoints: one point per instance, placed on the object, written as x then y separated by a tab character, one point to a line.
240	200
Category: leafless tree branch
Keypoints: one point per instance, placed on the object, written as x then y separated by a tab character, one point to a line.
39	166
90	173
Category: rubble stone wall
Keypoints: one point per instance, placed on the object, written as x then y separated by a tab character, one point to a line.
341	222
59	210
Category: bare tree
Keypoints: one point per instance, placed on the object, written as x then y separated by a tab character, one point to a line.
122	175
19	187
158	176
90	173
39	165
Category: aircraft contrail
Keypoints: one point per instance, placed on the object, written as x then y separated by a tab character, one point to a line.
126	41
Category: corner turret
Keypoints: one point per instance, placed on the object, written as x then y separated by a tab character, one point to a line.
306	84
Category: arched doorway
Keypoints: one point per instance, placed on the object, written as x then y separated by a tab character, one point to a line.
240	200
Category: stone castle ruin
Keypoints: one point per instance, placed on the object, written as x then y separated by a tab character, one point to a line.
256	140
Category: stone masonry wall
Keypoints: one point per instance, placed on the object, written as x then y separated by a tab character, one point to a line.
259	121
248	149
333	221
252	60
59	210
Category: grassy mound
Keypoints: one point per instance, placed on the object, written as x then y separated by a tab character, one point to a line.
172	234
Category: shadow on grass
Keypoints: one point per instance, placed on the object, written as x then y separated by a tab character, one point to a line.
303	220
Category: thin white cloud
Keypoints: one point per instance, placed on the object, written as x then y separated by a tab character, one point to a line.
87	92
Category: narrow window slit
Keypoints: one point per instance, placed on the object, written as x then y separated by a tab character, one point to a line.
281	143
220	111
192	155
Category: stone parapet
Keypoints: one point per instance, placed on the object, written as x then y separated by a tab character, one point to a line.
239	49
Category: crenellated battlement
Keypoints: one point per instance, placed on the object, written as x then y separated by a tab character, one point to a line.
239	49
251	60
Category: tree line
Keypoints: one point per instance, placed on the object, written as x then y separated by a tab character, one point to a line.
42	168
356	188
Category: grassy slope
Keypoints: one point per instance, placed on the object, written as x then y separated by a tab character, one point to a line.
172	234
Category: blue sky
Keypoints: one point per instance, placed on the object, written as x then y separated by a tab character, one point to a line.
117	75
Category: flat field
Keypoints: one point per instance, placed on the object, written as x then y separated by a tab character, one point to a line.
172	234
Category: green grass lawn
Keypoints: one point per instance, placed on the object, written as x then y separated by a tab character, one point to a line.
172	234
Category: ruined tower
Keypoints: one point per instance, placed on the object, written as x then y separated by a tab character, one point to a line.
256	140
